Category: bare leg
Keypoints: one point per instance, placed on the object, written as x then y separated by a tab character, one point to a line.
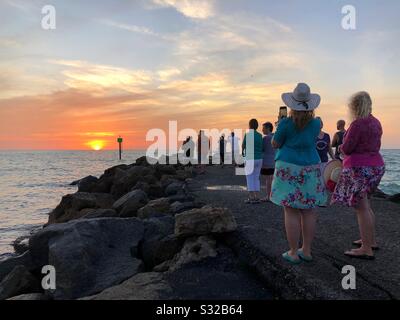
293	229
308	223
268	186
374	242
365	225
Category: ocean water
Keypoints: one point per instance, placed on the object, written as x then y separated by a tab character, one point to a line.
32	184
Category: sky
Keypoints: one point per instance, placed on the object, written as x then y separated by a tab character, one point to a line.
123	67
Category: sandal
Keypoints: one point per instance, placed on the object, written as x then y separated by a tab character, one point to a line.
303	257
357	243
359	256
290	259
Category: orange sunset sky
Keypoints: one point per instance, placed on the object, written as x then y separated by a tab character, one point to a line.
123	67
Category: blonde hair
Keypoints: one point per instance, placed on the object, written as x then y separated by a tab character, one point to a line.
360	105
301	118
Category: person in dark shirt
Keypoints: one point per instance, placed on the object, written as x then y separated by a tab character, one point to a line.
338	137
323	145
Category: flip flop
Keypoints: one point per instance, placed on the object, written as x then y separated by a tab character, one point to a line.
359	244
290	259
303	257
359	256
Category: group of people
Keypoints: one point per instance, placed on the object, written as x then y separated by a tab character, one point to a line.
294	159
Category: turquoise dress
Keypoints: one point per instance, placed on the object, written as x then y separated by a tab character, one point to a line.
298	181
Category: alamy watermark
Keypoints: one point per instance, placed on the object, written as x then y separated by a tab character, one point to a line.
349	20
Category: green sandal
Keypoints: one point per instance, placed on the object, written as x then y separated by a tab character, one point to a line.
303	256
289	259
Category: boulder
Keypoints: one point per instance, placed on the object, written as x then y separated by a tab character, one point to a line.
8	265
166	180
71	206
394	198
173	188
156	191
178	207
21	244
204	221
87	184
160	205
194	250
88	255
30	297
159	242
144	186
181	197
18	281
99	213
129	204
143	286
162	169
125	180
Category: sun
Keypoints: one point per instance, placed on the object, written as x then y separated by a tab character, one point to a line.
96	145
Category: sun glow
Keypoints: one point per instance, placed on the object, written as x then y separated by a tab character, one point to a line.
96	144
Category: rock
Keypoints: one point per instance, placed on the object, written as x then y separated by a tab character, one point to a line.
156	191
204	221
166	180
178	207
71	206
144	186
125	180
164	169
29	297
143	286
19	281
88	255
142	161
181	197
183	174
100	213
379	194
194	250
173	188
159	243
8	265
129	204
87	184
21	244
160	205
394	198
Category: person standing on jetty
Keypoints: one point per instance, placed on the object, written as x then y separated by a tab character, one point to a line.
337	139
363	169
324	145
252	149
222	146
297	184
203	148
268	166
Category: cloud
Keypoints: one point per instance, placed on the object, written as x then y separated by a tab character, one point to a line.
93	77
196	9
132	28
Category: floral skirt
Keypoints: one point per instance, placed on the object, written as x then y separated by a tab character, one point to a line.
299	187
355	183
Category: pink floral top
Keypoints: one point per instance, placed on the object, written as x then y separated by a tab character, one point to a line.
362	143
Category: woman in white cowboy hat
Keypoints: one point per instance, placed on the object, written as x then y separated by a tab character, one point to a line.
297	184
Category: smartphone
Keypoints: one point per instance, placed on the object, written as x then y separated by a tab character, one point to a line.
282	112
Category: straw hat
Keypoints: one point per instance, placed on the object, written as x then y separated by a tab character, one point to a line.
331	173
301	99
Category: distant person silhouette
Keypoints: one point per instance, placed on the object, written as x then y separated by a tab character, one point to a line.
222	145
337	139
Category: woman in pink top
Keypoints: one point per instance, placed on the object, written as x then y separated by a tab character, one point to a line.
363	169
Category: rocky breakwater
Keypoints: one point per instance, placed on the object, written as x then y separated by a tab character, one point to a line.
135	227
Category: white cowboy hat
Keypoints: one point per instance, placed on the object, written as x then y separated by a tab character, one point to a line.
301	99
332	171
